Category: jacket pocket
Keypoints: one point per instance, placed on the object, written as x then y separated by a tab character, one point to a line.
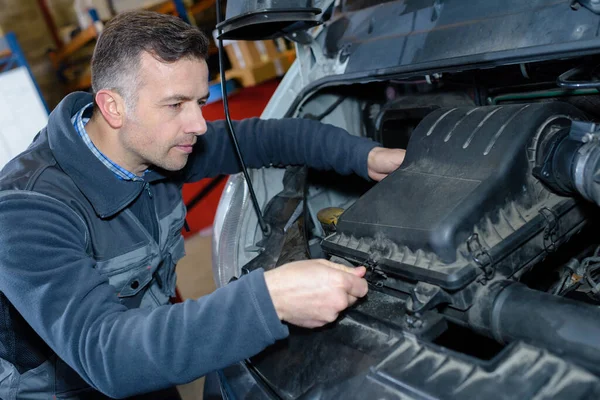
137	281
133	285
9	379
51	379
131	279
37	383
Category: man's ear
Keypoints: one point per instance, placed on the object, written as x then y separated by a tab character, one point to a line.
112	107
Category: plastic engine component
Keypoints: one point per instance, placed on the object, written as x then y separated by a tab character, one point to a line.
464	197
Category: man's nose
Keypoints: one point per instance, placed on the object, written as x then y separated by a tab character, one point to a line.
195	122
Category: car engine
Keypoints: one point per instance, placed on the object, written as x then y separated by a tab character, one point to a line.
465	217
481	249
480	253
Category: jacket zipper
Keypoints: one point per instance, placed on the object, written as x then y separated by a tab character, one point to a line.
147	187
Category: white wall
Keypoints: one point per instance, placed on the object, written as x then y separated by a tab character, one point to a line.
22	113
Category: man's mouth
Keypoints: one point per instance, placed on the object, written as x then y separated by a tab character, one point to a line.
186	148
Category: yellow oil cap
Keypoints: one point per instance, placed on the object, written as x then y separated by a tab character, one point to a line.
329	216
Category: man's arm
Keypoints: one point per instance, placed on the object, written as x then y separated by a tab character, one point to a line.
290	141
51	281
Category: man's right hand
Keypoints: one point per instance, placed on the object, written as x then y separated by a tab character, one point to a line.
312	293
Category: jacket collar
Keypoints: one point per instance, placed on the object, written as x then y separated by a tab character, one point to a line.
107	194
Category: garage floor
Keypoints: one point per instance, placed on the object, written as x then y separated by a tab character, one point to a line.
195	279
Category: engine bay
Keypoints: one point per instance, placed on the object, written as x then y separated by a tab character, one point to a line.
481	257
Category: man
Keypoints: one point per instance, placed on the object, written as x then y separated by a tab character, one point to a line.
90	221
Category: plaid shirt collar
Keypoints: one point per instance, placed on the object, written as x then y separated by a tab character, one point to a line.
79	120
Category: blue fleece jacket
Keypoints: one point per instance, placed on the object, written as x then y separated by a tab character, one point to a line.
65	219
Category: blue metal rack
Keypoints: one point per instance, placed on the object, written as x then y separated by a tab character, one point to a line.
11	56
181	10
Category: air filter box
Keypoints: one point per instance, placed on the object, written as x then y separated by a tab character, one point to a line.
464	199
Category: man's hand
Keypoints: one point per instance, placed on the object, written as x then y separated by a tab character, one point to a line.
311	293
382	161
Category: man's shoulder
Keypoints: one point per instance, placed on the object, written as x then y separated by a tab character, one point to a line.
38	191
19	172
35	171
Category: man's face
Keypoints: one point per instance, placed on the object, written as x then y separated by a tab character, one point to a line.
167	117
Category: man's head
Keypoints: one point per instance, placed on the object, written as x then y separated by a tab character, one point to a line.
150	80
116	60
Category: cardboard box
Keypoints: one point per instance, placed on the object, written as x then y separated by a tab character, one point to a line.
264	71
248	54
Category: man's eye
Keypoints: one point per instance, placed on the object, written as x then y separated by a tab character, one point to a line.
202	103
176	105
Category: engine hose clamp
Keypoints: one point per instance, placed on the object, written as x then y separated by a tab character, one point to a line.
551	230
495	320
481	257
583	156
374	275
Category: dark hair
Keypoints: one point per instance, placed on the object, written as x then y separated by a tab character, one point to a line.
116	59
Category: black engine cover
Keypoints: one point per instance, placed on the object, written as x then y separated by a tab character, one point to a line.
467	171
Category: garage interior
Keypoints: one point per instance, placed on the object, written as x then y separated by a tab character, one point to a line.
481	252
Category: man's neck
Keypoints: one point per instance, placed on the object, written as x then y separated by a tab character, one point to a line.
106	139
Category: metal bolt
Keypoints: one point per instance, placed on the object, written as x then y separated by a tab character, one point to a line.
413	322
345	52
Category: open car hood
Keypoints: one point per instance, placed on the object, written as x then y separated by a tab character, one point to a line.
424	36
434	35
267	19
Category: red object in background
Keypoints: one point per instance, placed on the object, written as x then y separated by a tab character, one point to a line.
246	103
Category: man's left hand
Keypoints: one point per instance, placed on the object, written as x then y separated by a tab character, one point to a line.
382	161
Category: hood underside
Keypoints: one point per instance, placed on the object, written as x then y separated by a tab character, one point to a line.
430	35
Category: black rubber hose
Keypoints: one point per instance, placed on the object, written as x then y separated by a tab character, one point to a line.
509	311
266	230
563	164
586	171
570	166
